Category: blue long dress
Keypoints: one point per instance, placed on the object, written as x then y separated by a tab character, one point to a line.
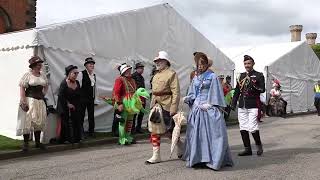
206	136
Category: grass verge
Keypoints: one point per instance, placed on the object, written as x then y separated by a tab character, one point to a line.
9	144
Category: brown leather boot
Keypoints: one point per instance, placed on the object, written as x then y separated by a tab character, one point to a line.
25	146
37	139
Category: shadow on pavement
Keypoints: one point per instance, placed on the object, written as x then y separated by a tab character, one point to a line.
279	156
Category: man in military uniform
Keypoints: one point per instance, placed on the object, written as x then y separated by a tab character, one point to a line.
249	86
166	92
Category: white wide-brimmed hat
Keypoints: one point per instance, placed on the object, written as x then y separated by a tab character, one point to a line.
124	67
162	55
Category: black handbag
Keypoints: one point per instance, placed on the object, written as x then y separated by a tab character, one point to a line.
156	115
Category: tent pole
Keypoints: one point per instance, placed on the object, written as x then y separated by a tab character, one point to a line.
290	96
233	79
35	50
307	96
267	83
48	73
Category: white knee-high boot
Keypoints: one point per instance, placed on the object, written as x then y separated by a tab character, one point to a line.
155	140
155	156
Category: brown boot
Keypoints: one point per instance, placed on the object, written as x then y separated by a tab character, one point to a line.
25	146
37	139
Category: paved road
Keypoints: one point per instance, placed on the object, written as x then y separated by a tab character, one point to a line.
292	151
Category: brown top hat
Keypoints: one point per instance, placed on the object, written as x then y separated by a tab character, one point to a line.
34	60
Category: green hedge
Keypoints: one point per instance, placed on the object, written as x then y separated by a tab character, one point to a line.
316	49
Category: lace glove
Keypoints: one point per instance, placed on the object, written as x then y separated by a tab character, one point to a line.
205	106
184	99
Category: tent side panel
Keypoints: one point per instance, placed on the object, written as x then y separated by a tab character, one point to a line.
14	64
297	71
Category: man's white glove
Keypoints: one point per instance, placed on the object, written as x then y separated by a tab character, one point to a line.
205	106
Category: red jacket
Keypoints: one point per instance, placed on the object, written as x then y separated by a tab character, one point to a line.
226	88
123	87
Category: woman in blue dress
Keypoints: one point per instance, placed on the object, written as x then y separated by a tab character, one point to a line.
206	137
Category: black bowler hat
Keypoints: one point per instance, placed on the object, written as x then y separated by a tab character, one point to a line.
89	60
70	68
138	65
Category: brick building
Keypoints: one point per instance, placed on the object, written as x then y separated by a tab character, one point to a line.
17	15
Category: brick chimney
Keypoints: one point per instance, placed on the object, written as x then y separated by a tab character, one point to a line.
17	15
31	13
295	32
311	38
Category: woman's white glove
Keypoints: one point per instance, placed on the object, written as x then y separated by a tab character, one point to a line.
185	98
205	106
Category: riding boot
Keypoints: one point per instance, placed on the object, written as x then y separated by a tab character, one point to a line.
246	142
256	137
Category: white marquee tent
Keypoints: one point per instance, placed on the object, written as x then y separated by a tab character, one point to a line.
294	64
130	36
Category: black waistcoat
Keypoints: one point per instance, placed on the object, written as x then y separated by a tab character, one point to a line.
87	91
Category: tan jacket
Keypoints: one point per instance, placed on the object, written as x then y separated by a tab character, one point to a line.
164	83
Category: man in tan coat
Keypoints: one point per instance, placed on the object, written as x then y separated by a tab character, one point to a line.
166	92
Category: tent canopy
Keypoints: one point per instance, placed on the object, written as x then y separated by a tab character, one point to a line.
112	39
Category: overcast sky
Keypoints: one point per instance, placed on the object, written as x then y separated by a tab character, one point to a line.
226	23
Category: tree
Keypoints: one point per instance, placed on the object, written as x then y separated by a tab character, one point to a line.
316	49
